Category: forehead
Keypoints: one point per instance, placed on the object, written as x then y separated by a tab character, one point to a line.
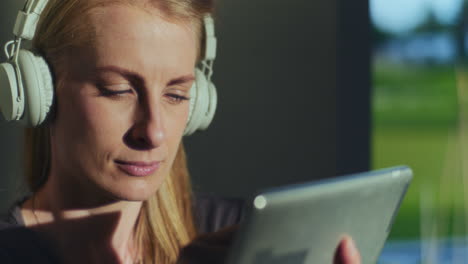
129	34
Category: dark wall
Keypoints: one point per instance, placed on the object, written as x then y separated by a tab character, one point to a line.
353	87
10	135
281	72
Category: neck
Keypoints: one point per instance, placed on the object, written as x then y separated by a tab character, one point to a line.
81	229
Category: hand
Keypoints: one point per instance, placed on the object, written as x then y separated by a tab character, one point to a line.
347	253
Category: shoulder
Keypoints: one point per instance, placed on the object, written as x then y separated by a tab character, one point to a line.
19	244
11	219
213	213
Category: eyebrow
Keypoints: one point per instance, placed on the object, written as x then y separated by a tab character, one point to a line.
182	79
130	75
135	77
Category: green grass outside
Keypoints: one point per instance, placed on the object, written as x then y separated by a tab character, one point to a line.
414	95
429	153
414	123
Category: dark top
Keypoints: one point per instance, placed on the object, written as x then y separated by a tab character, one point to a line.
19	244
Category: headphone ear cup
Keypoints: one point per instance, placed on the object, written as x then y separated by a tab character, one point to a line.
213	103
37	85
202	104
10	108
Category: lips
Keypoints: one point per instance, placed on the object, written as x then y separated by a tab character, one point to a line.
138	169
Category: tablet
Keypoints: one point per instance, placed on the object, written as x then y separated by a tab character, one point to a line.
304	223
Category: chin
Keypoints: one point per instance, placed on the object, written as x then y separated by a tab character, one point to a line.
139	194
136	189
133	196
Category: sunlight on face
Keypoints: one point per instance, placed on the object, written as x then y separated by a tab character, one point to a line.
123	108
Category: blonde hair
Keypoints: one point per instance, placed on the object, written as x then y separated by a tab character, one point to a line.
166	221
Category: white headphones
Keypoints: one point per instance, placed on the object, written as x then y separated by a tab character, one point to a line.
26	86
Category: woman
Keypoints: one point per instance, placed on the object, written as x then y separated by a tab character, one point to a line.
107	170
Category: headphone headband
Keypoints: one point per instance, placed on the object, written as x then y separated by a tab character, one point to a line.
27	19
211	43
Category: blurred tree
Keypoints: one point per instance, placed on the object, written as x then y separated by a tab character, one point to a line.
460	33
431	24
379	36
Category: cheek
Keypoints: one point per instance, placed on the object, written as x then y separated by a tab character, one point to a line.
103	120
89	123
176	121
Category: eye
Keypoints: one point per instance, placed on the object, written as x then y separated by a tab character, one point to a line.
114	91
176	99
177	95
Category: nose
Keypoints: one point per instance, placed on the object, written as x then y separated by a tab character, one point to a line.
148	131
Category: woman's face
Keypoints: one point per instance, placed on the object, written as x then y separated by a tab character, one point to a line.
123	107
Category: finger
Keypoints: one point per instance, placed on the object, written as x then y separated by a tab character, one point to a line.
347	252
